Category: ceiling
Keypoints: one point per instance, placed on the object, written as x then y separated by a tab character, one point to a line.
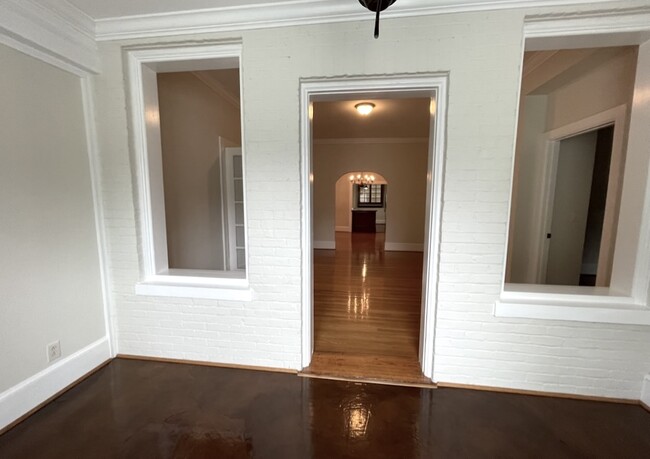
392	118
227	78
546	71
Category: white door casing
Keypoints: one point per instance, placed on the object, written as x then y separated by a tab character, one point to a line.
429	85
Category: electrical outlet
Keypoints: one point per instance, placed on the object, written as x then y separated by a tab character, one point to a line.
53	351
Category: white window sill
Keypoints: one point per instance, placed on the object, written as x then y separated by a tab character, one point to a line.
578	304
197	284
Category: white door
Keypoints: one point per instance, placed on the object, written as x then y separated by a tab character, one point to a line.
570	209
233	178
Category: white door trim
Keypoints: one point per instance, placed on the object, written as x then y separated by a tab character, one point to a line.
544	212
429	85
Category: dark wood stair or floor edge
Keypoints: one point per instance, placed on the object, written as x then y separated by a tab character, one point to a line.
386	382
305	374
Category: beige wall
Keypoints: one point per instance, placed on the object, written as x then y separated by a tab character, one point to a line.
403	165
49	276
607	86
343	204
530	151
192	118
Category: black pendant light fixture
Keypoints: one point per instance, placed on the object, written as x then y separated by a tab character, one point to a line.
377	6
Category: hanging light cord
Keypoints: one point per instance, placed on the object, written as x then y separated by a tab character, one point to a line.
377	20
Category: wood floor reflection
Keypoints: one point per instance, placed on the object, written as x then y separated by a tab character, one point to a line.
367	311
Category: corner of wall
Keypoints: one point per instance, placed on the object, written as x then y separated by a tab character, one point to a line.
25	397
645	392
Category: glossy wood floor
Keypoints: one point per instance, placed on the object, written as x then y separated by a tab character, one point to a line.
134	409
367	306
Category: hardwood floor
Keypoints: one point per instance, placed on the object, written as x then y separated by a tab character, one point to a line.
136	409
367	306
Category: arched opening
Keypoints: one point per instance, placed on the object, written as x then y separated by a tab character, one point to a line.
361	208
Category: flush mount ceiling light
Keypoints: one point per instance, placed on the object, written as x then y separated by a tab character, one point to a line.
365	108
377	6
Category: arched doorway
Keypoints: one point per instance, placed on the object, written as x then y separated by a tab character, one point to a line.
361	207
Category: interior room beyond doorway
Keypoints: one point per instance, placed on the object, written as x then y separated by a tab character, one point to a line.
370	185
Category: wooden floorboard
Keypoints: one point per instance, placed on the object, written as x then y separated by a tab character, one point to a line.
140	409
367	307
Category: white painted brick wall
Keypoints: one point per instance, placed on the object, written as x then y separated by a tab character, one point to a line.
482	53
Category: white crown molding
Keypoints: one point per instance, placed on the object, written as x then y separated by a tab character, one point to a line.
608	21
291	13
55	32
618	27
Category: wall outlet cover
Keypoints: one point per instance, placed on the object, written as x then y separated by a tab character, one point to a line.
53	351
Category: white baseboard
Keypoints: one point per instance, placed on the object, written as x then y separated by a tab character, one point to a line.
645	391
326	245
20	399
403	247
344	229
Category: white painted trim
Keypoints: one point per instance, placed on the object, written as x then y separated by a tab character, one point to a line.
371	140
156	278
343	229
324	245
183	290
432	85
94	159
403	247
638	140
292	13
539	301
44	56
573	313
30	393
52	31
544	207
645	390
599	29
307	223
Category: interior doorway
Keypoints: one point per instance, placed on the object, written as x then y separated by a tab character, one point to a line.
578	208
372	286
360	208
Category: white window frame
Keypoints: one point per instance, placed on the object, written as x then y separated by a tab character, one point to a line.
157	279
628	304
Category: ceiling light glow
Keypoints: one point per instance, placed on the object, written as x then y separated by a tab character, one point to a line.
365	108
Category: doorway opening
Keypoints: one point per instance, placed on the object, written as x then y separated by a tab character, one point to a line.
370	263
577	212
360	208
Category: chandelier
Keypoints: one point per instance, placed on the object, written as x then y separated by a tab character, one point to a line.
362	179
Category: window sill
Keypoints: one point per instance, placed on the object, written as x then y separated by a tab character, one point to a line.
197	284
578	304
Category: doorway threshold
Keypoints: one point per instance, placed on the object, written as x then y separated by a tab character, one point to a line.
373	369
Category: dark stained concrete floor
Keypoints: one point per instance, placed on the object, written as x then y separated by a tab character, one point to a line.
136	409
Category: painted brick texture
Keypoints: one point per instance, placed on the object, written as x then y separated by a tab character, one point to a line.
482	53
